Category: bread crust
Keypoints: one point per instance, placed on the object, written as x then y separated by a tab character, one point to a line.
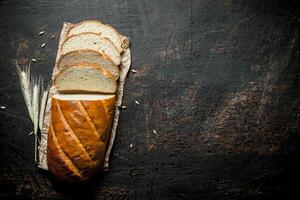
78	136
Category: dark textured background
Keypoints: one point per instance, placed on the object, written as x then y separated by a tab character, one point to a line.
217	79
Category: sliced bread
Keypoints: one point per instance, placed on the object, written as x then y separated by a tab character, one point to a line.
85	78
105	30
91	41
88	56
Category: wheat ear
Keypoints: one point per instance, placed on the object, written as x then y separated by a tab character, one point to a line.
24	80
31	89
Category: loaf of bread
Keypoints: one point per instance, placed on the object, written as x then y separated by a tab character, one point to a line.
78	135
82	109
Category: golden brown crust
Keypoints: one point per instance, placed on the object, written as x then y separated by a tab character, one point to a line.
66	134
78	137
60	164
103	55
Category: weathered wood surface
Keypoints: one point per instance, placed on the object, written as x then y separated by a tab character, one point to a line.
217	80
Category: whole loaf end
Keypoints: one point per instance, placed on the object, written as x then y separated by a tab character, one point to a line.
78	135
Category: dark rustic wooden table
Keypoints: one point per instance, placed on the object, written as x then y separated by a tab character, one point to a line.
217	79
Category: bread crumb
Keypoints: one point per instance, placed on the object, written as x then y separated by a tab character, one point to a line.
136	102
131	145
3	107
33	60
134	71
154	131
43	45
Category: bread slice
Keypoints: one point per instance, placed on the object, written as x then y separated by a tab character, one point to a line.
88	56
104	30
91	41
85	78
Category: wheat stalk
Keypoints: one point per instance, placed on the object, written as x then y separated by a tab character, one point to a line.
35	110
43	103
35	102
24	79
35	99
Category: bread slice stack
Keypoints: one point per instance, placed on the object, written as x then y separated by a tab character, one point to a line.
93	46
83	109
